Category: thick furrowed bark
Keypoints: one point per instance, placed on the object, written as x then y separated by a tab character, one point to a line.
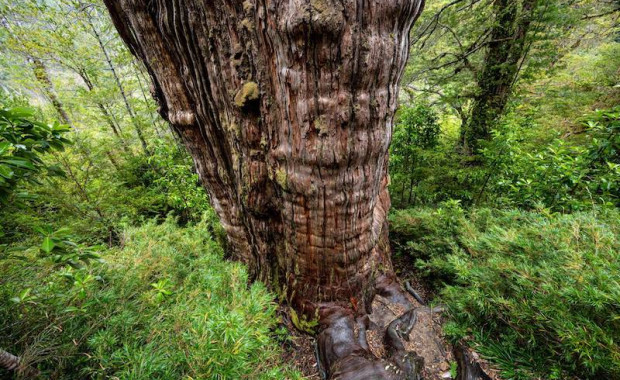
286	108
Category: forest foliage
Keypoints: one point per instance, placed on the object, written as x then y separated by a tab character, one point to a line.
162	305
519	239
536	292
112	263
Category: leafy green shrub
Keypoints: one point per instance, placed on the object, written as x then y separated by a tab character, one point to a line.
562	174
536	293
164	306
163	183
422	165
525	166
416	126
23	142
93	203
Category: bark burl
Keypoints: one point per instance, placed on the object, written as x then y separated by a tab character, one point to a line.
286	107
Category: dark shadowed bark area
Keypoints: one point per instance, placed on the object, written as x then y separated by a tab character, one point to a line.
287	109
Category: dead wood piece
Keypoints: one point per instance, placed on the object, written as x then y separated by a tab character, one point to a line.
468	367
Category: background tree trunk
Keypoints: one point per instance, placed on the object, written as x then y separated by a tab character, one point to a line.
40	73
286	108
107	116
119	84
502	64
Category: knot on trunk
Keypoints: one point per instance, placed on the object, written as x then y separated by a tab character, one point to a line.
184	118
319	17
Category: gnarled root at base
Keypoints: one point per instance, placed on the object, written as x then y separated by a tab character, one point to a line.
344	351
346	356
395	340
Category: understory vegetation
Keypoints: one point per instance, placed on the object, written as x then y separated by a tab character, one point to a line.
520	240
534	292
537	156
111	259
164	304
113	264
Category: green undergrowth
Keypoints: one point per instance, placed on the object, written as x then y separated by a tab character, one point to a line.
536	293
165	306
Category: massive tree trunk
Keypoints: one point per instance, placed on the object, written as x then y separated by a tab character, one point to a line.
502	64
287	109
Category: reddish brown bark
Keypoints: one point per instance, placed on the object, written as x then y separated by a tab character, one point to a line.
286	108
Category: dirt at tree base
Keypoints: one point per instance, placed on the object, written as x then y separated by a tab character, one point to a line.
425	339
299	349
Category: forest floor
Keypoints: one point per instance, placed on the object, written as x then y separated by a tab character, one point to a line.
425	339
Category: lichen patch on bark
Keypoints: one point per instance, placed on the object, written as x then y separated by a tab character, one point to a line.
249	91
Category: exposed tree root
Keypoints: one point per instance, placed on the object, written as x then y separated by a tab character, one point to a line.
394	340
347	356
468	367
414	293
343	343
8	360
11	362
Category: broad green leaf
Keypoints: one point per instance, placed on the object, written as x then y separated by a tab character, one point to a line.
24	293
20	163
6	171
19	112
47	245
4	146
